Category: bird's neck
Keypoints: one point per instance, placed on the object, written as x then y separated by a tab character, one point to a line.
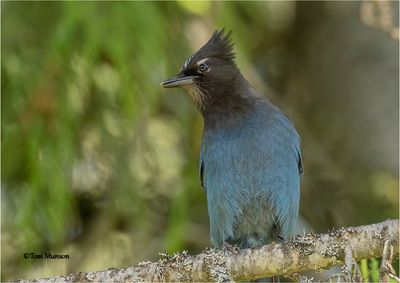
230	106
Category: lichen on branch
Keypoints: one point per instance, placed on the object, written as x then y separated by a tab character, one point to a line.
303	253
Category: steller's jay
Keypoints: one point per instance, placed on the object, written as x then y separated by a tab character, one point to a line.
250	160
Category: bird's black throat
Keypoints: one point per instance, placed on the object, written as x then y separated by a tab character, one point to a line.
225	104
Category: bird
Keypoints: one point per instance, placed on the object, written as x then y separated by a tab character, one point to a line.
250	159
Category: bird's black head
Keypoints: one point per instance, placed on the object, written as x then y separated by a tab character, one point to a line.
209	74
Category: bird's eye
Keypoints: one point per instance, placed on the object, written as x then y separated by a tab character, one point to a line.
203	68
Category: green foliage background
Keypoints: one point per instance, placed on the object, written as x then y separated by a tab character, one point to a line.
100	163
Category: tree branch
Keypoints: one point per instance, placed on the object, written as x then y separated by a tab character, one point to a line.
304	253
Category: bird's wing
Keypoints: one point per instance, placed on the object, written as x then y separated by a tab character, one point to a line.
300	163
202	174
299	157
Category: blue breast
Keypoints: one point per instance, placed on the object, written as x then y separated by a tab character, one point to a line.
251	174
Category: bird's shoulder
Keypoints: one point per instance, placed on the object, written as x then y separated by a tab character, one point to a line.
264	123
266	132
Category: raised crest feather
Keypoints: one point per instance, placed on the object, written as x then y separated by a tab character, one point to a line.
218	46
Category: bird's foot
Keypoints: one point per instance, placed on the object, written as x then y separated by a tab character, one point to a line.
230	248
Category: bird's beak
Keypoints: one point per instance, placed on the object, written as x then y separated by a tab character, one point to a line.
178	81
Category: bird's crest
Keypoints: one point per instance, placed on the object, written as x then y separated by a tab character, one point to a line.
218	46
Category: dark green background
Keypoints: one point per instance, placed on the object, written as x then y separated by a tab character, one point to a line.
100	163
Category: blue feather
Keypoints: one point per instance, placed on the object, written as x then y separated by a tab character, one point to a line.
251	174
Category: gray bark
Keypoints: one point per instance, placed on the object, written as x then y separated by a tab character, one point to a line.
303	253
